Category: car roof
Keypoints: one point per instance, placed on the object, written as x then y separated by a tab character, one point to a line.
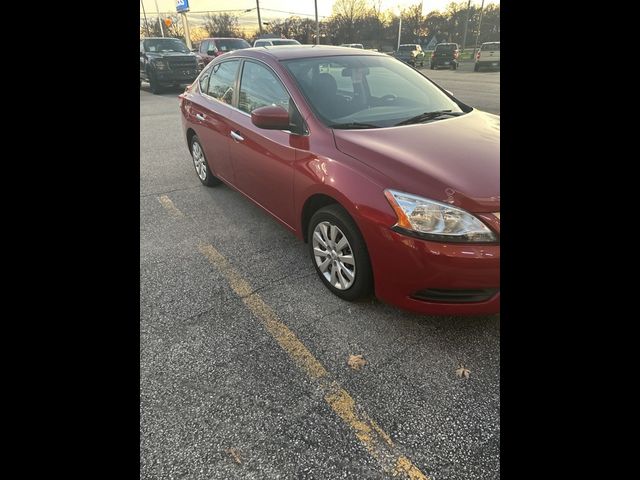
222	38
288	52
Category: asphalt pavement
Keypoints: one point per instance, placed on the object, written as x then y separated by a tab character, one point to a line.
243	351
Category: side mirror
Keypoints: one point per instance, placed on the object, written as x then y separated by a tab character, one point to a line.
270	118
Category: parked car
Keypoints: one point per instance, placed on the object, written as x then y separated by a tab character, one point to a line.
392	182
211	48
411	53
166	62
445	55
352	45
488	56
274	42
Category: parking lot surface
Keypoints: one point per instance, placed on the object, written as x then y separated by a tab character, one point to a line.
244	353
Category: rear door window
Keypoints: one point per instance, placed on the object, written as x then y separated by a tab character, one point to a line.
222	81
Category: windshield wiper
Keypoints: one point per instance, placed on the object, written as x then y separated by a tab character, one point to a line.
353	125
423	117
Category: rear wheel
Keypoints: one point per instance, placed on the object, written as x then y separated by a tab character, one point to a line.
339	254
200	163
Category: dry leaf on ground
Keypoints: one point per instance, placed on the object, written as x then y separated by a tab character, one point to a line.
356	361
461	371
235	454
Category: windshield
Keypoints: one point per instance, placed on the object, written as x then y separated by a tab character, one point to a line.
285	42
490	46
229	44
373	90
165	45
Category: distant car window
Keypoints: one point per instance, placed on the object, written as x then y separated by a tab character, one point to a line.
204	46
260	87
285	42
222	80
260	43
490	46
229	44
407	48
446	47
165	45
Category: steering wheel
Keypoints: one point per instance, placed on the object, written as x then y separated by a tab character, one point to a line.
389	98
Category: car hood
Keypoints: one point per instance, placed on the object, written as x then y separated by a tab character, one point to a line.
170	54
454	160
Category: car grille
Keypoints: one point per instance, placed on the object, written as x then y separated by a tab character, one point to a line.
182	64
455	296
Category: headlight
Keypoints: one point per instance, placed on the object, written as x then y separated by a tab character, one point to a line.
160	65
433	220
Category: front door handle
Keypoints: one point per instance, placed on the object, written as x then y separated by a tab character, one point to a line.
200	117
236	136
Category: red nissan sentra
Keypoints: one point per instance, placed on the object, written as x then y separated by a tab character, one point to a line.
392	181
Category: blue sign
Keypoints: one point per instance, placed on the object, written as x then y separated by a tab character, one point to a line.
182	6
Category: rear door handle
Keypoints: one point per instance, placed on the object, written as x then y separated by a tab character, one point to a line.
200	117
236	136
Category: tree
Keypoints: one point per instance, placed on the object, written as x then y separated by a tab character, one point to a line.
222	25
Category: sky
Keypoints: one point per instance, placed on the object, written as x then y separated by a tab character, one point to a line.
297	6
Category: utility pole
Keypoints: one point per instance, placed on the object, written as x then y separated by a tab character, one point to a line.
317	24
187	34
399	30
159	21
479	27
259	19
466	24
146	25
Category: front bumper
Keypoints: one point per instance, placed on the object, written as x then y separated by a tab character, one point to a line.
405	268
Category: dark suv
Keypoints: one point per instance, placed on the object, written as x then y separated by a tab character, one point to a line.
166	62
445	55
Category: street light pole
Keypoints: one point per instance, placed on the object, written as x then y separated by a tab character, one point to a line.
317	24
159	21
259	19
146	25
466	24
399	30
479	27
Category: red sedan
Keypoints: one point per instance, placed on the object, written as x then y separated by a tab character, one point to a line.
392	181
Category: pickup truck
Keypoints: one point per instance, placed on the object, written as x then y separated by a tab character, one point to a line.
488	56
166	62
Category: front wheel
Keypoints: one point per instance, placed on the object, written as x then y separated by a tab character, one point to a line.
200	163
339	254
153	84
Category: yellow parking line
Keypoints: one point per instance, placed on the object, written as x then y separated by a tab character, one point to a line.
169	206
375	440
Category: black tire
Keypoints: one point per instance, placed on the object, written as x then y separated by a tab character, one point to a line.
153	84
210	180
476	68
362	286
